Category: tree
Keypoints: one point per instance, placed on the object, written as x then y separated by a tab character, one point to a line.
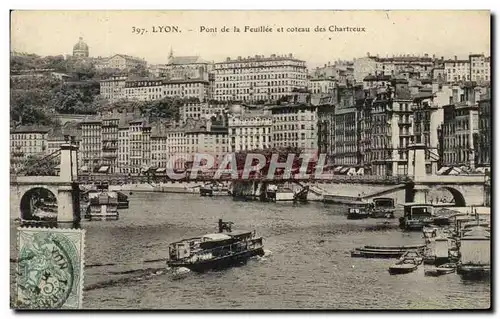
35	165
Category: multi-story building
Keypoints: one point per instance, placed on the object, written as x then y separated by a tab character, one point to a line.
364	67
461	127
109	138
391	119
250	131
320	85
208	137
295	125
479	68
155	89
121	62
326	127
186	67
346	136
200	110
123	147
57	137
414	66
457	70
485	141
113	89
91	145
139	145
259	78
26	141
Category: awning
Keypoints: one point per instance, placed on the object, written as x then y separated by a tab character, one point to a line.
337	169
455	171
84	168
344	170
351	171
442	170
361	171
161	170
103	169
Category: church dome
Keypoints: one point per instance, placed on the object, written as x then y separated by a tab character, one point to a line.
81	48
81	45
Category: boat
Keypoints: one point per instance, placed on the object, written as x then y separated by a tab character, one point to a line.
441	270
213	190
220	250
102	205
416	216
412	254
383	207
404	266
123	202
358	211
385	251
475	254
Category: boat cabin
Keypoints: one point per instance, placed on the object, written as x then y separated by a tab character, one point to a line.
382	206
383	203
414	211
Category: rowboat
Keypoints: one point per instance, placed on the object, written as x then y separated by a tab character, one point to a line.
403	266
441	270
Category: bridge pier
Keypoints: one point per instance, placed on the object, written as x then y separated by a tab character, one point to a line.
68	197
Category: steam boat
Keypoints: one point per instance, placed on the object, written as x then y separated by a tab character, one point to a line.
215	251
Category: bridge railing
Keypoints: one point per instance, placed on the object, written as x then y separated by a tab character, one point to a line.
126	179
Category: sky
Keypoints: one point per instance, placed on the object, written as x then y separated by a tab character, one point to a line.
387	33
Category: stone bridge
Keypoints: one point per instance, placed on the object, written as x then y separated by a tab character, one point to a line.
467	190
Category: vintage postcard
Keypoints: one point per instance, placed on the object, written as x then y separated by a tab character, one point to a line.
250	160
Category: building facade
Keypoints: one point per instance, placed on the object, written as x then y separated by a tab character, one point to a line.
485	130
121	62
258	78
26	141
91	146
200	111
250	131
295	126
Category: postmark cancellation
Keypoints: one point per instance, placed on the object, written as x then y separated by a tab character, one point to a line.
50	268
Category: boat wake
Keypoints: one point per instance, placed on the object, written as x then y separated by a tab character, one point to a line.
134	276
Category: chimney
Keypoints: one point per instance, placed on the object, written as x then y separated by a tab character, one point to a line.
433	56
455	57
368	54
426	55
290	55
442	58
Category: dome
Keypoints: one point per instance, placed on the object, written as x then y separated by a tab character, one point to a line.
81	45
236	109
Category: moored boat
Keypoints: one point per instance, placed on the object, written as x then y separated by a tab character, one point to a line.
359	211
404	266
383	207
416	216
215	251
441	270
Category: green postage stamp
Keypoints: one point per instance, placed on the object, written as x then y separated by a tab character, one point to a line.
50	268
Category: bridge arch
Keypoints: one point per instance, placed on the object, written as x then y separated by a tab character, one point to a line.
38	197
458	196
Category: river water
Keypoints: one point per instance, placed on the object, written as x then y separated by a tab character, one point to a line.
307	263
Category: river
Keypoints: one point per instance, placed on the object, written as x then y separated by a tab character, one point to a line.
307	264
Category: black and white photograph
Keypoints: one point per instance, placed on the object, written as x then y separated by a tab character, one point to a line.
250	160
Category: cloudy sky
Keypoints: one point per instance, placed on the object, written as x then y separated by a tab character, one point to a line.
444	33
